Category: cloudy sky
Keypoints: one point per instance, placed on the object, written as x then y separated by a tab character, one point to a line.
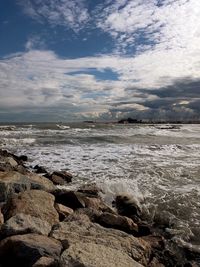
66	60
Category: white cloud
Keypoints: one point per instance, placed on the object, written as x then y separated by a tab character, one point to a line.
172	25
68	13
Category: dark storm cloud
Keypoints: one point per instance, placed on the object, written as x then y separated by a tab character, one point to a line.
181	88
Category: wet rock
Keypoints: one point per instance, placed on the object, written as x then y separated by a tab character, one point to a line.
128	206
24	224
118	222
25	250
61	176
22	158
57	180
95	203
39	169
36	203
90	190
63	211
78	229
95	255
13	182
46	262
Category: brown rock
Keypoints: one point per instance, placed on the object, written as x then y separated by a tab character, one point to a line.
78	229
36	203
76	200
57	180
25	250
95	203
46	262
63	211
118	222
24	224
66	176
96	255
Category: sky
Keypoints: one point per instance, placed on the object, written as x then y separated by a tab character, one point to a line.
74	60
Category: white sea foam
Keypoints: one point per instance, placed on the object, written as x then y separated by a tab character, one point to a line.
160	167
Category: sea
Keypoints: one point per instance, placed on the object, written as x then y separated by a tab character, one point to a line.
159	164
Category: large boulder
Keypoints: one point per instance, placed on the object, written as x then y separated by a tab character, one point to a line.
76	200
24	224
14	182
95	255
118	222
25	250
78	229
36	203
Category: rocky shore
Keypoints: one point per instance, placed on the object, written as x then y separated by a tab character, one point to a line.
43	225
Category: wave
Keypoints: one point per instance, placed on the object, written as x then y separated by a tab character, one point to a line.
63	127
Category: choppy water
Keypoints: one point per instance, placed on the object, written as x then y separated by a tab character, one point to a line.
159	164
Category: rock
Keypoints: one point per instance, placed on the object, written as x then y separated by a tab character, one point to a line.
36	203
39	169
13	182
11	161
92	214
46	262
76	200
66	176
128	206
24	224
57	180
118	222
23	158
69	199
63	211
40	182
95	255
95	203
78	229
25	250
91	190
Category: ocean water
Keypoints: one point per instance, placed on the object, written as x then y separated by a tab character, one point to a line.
158	164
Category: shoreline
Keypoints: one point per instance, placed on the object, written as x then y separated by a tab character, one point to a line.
76	227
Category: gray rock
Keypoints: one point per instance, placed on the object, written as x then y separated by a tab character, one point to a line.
24	224
36	203
25	250
95	255
78	229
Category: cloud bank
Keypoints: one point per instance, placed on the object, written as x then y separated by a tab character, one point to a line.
156	58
